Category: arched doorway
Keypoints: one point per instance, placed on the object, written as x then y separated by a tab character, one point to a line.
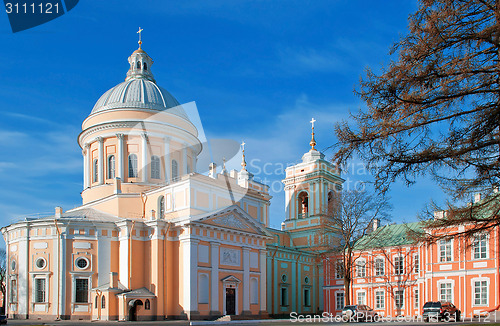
132	309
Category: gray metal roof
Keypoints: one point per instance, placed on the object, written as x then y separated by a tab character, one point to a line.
139	93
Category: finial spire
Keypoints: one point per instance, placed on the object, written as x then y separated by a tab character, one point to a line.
223	165
243	162
313	141
140	38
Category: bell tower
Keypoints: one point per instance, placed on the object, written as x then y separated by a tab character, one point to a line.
310	187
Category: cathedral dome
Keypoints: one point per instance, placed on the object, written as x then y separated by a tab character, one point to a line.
139	90
139	93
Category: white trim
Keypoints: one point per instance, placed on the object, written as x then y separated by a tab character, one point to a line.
473	290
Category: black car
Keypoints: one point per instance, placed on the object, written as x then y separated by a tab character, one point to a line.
440	311
3	319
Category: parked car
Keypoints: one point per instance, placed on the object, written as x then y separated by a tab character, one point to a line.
440	311
360	312
3	319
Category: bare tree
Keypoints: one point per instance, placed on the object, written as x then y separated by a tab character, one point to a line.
391	260
351	215
435	109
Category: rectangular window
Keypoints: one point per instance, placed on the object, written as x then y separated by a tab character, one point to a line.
445	292
284	297
81	290
39	290
379	267
13	291
339	298
379	300
399	265
307	298
399	299
361	298
480	293
361	268
415	299
416	263
339	269
480	246
444	250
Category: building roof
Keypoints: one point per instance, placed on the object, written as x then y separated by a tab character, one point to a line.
389	235
85	214
139	93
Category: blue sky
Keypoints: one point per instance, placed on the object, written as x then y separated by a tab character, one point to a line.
257	70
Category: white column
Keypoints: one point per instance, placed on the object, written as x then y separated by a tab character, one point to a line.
123	254
246	280
214	297
317	197
167	159
263	279
56	279
144	160
86	171
62	282
120	159
190	277
24	296
184	162
101	160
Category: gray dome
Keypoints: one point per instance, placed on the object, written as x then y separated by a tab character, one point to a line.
139	93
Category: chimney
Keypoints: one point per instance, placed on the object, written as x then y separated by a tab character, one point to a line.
58	212
113	280
477	197
212	170
118	186
375	224
495	190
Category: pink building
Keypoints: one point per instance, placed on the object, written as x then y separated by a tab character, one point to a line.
395	277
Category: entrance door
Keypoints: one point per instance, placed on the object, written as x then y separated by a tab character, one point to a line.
230	301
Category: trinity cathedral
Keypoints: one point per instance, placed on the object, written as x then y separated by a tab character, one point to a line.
154	239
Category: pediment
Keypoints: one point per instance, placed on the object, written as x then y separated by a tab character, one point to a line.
235	218
230	279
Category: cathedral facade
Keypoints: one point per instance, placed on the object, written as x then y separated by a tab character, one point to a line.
154	239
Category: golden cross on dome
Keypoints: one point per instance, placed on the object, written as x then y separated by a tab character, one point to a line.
313	141
243	162
140	39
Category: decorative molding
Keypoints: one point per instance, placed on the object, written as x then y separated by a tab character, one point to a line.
230	257
231	221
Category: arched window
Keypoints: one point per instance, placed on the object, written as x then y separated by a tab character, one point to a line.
145	66
254	291
161	207
138	65
175	170
329	206
303	205
147	305
103	302
96	170
203	288
132	166
111	167
155	167
96	301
